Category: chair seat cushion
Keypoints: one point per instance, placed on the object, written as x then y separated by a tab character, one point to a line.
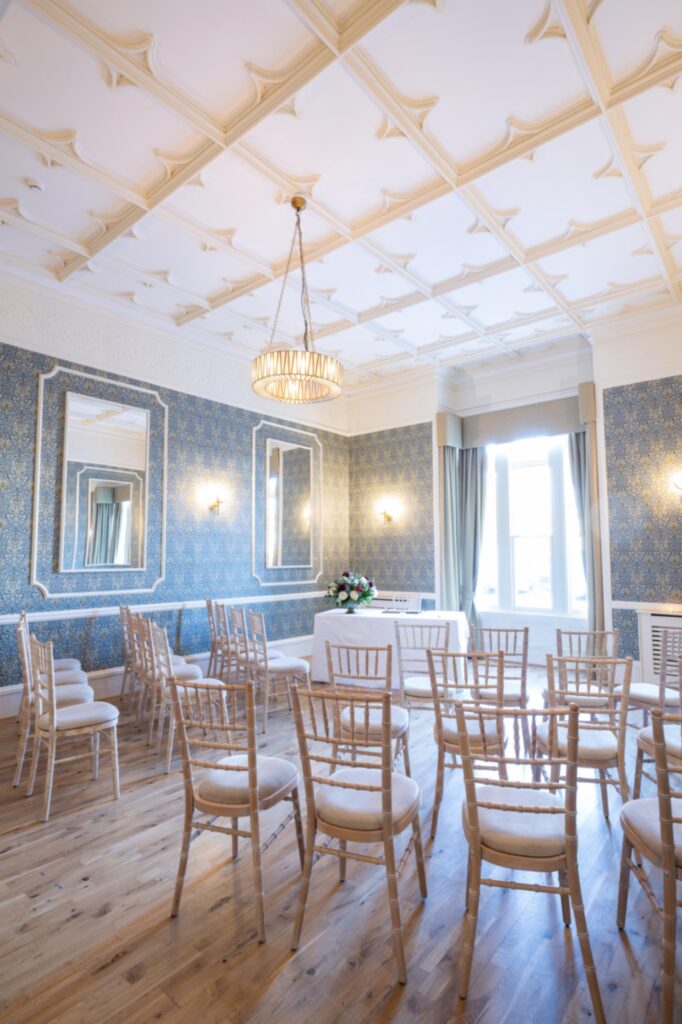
70	677
451	735
642	816
583	700
419	686
284	666
222	786
400	720
649	693
185	672
66	664
75	693
177	659
520	833
511	692
361	809
593	744
673	739
82	716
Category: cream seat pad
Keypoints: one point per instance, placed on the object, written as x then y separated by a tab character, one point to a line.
593	744
451	735
400	720
362	809
185	672
642	817
74	694
648	693
418	686
80	716
70	677
67	665
285	666
222	786
673	738
523	834
511	691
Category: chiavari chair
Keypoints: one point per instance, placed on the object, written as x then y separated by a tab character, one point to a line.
209	720
514	645
646	753
664	692
269	672
227	663
352	793
587	643
53	723
412	641
652	827
457	676
515	820
599	687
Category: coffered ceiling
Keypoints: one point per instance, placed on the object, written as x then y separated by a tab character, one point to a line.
482	177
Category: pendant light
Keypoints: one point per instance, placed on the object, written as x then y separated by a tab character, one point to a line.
296	375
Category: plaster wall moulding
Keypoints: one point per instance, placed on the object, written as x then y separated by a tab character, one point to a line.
114	78
608	170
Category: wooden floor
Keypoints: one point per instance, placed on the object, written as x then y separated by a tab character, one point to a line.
85	932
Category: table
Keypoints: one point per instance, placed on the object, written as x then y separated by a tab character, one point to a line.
369	627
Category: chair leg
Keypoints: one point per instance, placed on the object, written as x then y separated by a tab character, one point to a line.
235	838
184	855
419	855
470	923
440	772
34	764
266	699
639	769
51	754
604	792
298	822
565	900
584	940
258	876
152	715
305	882
623	787
113	741
406	753
623	884
170	742
342	860
468	882
392	882
669	927
22	746
94	746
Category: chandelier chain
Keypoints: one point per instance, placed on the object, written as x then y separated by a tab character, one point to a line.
305	298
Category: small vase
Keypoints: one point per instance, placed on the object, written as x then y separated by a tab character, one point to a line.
350	609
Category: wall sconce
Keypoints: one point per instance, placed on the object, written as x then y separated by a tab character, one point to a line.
389	509
215	506
211	495
676	481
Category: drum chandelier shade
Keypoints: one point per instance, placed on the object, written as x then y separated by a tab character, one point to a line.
296	375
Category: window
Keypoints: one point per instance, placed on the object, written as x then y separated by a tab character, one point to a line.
531	556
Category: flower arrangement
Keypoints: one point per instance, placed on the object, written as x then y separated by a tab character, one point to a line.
350	590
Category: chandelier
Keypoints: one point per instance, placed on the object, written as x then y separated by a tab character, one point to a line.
296	375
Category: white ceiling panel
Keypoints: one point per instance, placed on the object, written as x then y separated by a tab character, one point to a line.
356	279
117	129
125	285
626	30
261	304
654	120
424	324
357	346
570	179
472	48
671	224
352	168
203	51
628	304
32	250
557	325
501	298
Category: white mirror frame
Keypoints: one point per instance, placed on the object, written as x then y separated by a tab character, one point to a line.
316	523
34	581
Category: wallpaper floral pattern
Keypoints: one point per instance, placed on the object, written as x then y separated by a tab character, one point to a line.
643	429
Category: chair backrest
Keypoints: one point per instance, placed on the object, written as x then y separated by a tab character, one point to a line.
671	658
600	687
124	612
367	667
24	646
487	762
317	714
42	664
457	676
209	722
667	792
587	643
212	625
159	648
135	621
412	641
146	647
259	639
221	622
240	634
514	645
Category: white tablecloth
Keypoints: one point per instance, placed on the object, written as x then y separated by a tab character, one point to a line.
369	627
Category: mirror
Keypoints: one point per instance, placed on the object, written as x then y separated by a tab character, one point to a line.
104	490
288	505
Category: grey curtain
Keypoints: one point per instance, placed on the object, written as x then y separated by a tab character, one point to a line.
580	474
105	533
464	479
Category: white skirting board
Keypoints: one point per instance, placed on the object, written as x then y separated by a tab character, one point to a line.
106	682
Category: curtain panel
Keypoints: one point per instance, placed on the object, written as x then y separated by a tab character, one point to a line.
464	481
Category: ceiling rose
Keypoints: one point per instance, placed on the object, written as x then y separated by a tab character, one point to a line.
290	374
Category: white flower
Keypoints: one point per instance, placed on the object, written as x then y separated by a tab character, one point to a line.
354	595
343	595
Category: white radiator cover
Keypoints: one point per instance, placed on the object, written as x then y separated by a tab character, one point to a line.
651	627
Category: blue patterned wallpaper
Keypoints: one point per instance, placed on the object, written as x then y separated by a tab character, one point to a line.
397	464
208	444
643	430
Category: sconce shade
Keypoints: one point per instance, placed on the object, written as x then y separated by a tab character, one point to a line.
296	376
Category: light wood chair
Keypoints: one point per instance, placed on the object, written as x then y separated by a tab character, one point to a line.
242	646
268	672
369	668
652	827
352	793
66	693
599	687
514	645
127	682
227	663
457	676
515	820
587	643
215	649
53	723
412	641
664	693
209	721
156	666
646	752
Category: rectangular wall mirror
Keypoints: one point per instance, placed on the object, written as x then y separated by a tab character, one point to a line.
104	490
288	514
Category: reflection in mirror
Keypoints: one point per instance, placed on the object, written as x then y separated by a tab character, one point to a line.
104	485
288	520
